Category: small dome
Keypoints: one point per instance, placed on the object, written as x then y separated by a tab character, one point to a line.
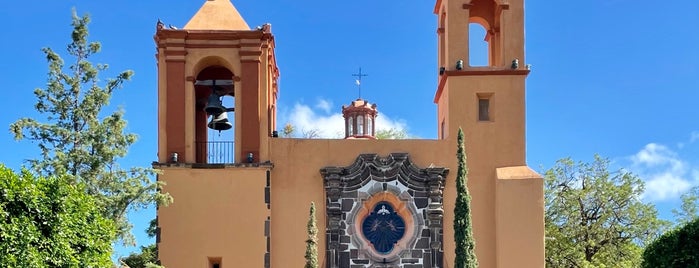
360	118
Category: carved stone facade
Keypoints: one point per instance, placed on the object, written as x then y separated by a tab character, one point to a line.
416	194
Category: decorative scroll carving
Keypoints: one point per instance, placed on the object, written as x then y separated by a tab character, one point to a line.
345	190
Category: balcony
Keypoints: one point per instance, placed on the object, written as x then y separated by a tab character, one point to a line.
215	152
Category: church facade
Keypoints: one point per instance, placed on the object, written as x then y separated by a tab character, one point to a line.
242	193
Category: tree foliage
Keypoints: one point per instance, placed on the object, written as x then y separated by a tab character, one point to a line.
148	256
79	140
676	248
144	259
594	217
463	230
312	241
288	130
51	222
391	134
688	210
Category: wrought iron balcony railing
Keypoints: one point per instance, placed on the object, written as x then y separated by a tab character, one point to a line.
215	152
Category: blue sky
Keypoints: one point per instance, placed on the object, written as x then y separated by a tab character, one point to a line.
614	77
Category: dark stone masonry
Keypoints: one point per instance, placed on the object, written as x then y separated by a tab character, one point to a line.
419	189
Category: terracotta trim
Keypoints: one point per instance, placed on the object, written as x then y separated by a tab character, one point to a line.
212	34
440	87
250	53
175	53
265	165
472	72
256	44
440	30
170	33
166	44
487	71
212	45
437	6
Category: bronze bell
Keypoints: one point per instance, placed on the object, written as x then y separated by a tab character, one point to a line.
214	106
220	122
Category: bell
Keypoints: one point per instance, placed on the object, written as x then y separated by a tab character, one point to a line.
220	122
214	106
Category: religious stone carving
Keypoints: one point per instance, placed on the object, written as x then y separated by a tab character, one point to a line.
384	212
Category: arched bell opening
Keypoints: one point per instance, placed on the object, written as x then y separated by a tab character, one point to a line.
214	118
484	32
478	45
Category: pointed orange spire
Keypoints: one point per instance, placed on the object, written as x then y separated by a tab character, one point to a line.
217	15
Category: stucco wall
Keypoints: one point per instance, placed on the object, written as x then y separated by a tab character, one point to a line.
216	213
296	181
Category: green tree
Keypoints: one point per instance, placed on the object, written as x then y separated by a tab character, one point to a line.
677	248
148	257
312	241
51	222
391	134
463	230
594	217
688	210
78	141
144	259
288	130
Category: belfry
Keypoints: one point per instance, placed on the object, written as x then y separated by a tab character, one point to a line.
242	193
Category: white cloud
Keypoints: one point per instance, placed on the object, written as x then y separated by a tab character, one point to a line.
324	105
665	186
667	175
329	125
657	155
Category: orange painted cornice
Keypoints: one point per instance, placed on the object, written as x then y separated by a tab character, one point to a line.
474	72
207	35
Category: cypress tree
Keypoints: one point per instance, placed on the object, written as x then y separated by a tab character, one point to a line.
312	241
463	231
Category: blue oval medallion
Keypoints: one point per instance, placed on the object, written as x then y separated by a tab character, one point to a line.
383	227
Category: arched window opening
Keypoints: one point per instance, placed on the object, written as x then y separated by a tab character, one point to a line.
369	127
360	125
350	126
478	45
214	118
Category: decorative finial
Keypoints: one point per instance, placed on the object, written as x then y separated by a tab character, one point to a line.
358	81
460	64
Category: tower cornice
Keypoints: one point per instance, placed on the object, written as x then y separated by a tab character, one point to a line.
475	72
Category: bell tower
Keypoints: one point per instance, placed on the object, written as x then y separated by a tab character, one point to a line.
217	93
488	103
217	88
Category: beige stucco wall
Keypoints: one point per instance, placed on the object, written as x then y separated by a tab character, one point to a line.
221	212
215	214
296	181
520	218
